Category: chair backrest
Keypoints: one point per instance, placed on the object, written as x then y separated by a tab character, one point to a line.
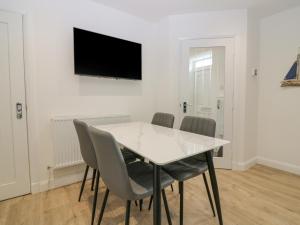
163	119
85	142
198	125
111	163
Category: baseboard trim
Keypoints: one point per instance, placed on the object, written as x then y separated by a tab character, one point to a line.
279	165
76	176
56	182
242	166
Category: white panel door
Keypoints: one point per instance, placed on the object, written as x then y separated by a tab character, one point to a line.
206	87
14	164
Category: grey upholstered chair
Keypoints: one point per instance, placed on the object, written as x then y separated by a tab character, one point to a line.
130	182
186	169
89	157
163	119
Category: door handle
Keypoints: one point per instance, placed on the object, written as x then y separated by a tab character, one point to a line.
184	107
19	110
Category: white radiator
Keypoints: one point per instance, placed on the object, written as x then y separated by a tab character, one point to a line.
65	140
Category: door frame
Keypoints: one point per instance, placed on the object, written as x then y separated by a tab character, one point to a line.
229	43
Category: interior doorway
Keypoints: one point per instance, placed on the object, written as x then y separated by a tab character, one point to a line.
206	87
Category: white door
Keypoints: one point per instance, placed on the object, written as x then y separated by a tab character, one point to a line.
14	165
206	87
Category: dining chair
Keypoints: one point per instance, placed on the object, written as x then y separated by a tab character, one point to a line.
89	157
129	182
189	168
163	119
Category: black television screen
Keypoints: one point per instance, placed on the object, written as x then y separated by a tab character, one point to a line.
101	55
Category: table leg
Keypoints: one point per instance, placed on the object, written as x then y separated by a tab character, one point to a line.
156	196
214	184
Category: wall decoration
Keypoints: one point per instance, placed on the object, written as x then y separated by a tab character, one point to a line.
293	76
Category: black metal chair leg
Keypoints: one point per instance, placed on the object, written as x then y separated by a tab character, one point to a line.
150	203
172	188
214	185
136	204
103	206
209	195
127	219
83	182
93	180
156	195
181	201
95	197
141	204
166	207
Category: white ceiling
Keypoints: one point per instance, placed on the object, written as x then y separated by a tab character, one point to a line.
156	9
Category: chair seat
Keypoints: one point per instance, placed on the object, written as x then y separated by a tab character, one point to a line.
131	153
185	169
128	156
200	157
141	179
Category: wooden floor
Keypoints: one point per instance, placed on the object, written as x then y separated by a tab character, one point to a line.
259	196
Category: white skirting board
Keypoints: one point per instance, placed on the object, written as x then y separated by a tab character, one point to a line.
74	174
242	166
267	162
60	178
295	169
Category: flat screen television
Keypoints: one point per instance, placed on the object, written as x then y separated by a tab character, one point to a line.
100	55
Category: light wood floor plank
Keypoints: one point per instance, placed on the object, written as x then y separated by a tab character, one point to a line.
259	196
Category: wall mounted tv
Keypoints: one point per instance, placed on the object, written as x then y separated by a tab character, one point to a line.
105	56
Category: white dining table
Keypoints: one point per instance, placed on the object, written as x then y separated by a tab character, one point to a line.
161	146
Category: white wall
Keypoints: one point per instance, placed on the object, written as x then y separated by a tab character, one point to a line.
52	87
175	28
279	108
